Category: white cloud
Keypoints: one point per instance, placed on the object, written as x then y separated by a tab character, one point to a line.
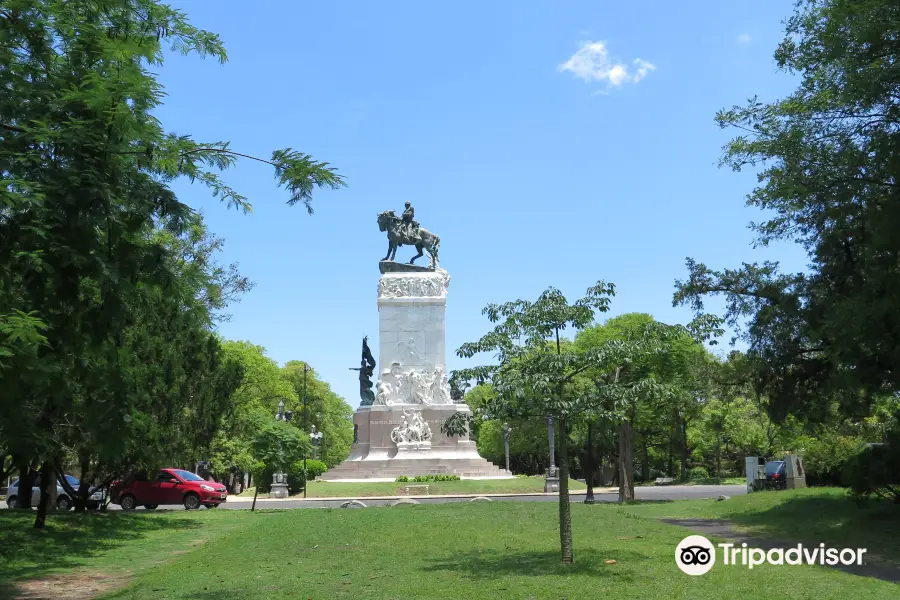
643	67
744	38
592	63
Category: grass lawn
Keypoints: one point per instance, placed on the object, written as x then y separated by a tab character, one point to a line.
518	485
809	515
465	550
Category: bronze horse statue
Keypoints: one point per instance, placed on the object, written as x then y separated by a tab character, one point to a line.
390	222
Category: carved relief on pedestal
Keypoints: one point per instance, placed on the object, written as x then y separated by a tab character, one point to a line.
414	286
389	386
413	429
440	387
413	386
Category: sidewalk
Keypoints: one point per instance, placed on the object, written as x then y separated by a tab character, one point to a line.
300	498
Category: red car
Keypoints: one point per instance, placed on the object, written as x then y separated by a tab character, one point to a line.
170	486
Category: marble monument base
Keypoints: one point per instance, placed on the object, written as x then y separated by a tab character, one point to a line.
404	448
374	455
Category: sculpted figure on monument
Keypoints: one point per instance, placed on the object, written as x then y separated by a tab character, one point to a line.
422	430
440	387
410	227
400	433
385	393
419	387
390	386
412	429
404	231
366	370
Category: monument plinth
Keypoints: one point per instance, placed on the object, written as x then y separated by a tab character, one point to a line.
398	431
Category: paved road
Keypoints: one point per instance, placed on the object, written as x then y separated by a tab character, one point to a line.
662	493
669	492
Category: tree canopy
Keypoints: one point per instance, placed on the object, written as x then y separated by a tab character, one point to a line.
540	375
107	284
828	156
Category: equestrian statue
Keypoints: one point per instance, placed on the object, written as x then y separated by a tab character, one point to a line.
404	231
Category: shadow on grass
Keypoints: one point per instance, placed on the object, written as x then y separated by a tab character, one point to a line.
833	519
234	594
488	565
231	594
68	539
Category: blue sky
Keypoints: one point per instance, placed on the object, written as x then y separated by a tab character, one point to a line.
548	144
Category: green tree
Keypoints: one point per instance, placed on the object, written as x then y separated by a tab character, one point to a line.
828	156
253	408
86	171
656	388
540	376
330	413
276	447
528	444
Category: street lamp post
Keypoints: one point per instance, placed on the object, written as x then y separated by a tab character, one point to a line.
279	488
551	484
507	430
305	423
589	476
315	436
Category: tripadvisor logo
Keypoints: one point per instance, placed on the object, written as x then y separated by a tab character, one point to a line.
696	555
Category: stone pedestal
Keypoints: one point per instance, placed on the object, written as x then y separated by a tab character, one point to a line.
278	490
551	483
376	456
400	434
794	473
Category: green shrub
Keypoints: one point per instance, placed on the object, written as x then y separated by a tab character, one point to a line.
314	468
698	473
826	458
402	479
875	472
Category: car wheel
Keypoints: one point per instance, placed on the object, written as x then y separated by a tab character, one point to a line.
150	506
63	503
11	502
191	502
127	502
210	505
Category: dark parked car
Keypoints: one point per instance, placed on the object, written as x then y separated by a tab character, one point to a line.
168	486
775	474
63	502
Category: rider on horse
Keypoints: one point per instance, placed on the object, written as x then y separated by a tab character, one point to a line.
409	228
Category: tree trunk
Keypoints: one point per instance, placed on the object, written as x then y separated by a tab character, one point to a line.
684	449
616	476
26	482
719	457
47	476
626	462
645	464
565	508
52	490
670	459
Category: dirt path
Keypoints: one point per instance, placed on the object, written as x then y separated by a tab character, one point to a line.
80	585
724	529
